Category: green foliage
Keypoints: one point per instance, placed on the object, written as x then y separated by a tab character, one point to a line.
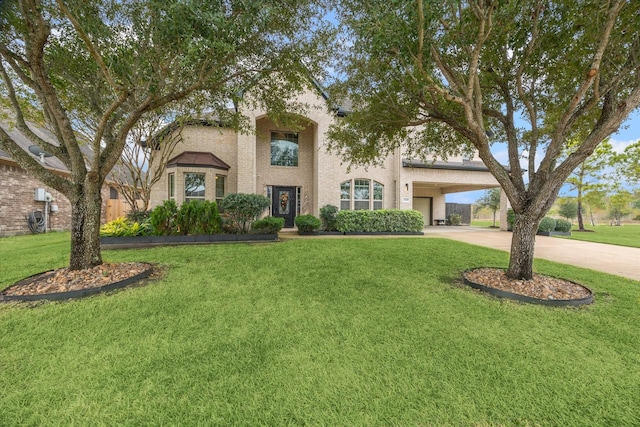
163	219
138	216
620	206
547	225
268	225
198	217
241	209
491	201
563	225
511	218
123	227
568	208
307	223
384	220
328	214
454	219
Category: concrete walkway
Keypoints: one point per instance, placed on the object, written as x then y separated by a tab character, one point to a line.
619	260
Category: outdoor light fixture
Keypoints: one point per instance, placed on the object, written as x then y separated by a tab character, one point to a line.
406	186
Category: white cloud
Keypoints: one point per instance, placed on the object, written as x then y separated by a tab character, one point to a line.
619	146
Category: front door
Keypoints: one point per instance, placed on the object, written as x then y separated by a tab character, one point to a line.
284	204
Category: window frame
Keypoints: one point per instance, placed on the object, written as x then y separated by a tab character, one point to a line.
171	186
204	185
288	137
352	188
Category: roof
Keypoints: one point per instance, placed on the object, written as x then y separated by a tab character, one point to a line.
25	143
465	165
198	159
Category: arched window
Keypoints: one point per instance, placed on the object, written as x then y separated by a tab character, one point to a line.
359	191
284	149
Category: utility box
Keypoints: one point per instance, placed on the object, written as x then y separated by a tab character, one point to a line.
40	195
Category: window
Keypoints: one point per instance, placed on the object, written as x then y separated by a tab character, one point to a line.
345	196
220	184
378	189
171	190
284	149
362	196
194	186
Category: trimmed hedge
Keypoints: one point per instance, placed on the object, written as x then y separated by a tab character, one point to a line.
307	223
268	225
563	225
383	220
328	216
547	225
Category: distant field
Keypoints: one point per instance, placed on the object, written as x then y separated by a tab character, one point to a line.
484	222
624	235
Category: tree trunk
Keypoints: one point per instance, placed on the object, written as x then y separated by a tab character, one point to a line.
522	247
494	218
580	220
85	226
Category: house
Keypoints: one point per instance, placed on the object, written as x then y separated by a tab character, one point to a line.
295	171
22	195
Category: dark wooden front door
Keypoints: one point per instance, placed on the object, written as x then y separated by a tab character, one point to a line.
284	204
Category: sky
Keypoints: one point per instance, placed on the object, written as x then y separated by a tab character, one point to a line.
628	133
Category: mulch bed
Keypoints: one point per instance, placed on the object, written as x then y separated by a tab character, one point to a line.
540	287
65	280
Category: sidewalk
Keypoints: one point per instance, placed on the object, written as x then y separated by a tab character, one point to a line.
619	260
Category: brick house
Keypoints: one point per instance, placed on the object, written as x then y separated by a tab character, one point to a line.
296	172
18	191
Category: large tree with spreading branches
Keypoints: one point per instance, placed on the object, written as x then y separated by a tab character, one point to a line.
445	76
96	68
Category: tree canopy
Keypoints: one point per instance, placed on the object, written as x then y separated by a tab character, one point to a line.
90	70
442	77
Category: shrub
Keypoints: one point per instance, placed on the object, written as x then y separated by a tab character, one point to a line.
122	227
241	210
163	219
268	225
198	217
511	218
547	225
454	219
384	220
563	225
307	223
328	214
138	216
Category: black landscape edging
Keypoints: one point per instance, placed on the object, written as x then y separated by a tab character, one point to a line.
140	241
553	233
384	233
80	293
523	298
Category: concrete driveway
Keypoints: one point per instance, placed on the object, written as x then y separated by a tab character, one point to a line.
618	260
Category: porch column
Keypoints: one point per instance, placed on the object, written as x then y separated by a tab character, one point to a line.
247	161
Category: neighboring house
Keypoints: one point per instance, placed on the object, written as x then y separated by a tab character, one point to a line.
19	191
295	171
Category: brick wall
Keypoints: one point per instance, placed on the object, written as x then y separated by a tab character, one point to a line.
17	190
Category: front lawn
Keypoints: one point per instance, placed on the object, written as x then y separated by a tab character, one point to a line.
339	332
625	235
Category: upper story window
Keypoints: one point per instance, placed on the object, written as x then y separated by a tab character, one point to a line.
284	149
194	186
362	196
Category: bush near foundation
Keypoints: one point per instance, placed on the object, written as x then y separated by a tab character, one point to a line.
268	225
307	223
380	221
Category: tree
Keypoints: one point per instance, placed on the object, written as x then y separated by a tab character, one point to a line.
144	159
594	200
589	175
445	77
620	206
568	208
97	68
629	164
490	200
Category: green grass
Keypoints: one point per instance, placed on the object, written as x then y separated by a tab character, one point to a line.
625	235
484	222
339	332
